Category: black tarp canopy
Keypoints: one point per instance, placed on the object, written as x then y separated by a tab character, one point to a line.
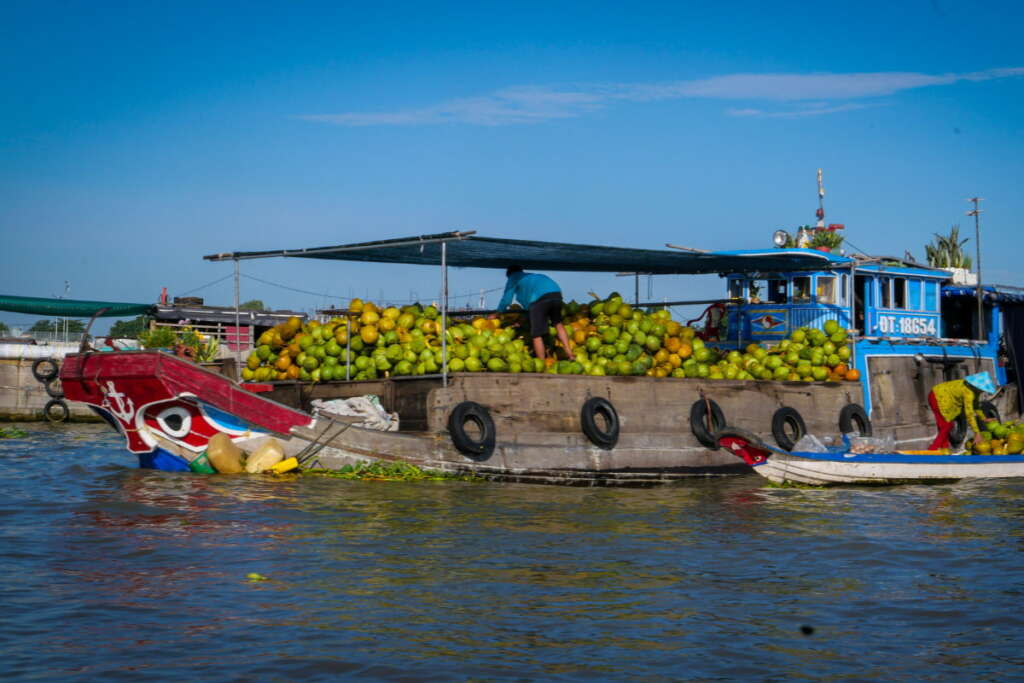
466	250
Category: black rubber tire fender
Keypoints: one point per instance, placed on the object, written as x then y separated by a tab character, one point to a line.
56	411
787	420
698	422
989	410
44	369
480	447
853	418
607	437
54	389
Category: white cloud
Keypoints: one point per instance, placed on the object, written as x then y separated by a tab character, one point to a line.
810	95
817	109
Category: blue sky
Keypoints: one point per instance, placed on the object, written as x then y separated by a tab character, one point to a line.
140	136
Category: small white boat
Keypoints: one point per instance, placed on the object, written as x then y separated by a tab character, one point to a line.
839	466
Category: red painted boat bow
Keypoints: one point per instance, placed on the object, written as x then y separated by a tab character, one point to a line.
123	382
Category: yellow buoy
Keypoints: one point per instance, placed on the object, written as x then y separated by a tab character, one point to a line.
286	465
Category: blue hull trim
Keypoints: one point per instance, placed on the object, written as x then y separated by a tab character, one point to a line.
159	459
910	459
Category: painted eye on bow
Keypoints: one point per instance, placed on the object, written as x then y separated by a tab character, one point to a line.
175	421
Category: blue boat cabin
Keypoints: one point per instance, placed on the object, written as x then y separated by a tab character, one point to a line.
883	301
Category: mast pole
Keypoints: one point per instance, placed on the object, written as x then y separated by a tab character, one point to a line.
976	212
444	314
238	326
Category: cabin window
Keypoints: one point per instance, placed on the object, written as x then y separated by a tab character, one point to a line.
899	292
844	287
777	291
929	296
826	289
885	284
735	289
802	288
914	294
757	290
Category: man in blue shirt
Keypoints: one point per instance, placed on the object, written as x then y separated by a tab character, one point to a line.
542	298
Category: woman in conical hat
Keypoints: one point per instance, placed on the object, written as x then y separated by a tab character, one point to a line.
951	399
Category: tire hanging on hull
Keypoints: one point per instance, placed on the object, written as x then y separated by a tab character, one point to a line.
706	418
788	427
478	447
603	437
56	411
853	418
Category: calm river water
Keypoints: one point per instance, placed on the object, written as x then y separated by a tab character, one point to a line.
111	572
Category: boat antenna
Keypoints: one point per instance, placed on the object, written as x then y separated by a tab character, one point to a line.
820	213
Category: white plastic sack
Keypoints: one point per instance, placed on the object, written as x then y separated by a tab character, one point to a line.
367	407
809	443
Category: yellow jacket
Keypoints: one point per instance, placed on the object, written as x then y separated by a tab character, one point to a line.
954	398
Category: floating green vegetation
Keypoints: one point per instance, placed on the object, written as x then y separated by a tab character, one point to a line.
792	485
389	471
12	433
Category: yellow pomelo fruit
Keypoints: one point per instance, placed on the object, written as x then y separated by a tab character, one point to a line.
369	334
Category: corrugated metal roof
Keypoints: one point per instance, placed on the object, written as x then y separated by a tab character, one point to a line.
466	250
990	293
223	314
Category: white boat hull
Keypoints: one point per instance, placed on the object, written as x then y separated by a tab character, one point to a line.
827	469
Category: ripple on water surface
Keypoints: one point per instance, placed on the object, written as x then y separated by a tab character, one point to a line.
117	572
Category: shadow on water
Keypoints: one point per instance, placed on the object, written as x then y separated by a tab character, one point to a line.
120	572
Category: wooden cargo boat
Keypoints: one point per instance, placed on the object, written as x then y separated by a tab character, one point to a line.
581	429
532	424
